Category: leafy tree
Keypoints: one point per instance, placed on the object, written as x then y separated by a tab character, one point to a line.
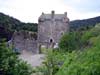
52	63
10	64
89	34
70	41
86	62
83	63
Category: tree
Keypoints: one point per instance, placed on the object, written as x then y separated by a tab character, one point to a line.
10	64
52	63
86	62
70	41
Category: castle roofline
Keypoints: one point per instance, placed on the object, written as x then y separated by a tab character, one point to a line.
56	16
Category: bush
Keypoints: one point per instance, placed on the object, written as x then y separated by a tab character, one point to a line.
86	62
10	64
94	32
83	63
53	61
70	41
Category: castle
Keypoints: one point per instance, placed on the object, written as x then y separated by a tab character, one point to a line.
51	27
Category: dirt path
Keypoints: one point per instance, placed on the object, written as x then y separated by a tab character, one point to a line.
33	59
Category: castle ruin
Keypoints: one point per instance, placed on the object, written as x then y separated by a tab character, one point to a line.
51	27
24	41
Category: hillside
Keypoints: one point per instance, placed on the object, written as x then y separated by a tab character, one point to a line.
14	24
76	24
9	24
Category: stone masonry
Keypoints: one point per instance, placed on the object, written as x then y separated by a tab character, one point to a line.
23	40
51	27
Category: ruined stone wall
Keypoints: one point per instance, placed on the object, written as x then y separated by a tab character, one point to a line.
24	40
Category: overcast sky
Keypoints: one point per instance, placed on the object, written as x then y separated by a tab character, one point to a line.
30	10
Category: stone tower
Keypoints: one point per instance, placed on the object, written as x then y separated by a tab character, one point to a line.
51	27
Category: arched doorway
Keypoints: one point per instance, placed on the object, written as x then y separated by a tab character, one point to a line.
51	40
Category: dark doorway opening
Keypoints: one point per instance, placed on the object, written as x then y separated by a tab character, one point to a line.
51	40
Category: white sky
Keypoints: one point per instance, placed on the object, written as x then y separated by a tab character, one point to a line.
30	10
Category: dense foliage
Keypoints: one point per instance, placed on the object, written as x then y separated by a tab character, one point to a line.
10	64
86	62
70	41
52	62
5	33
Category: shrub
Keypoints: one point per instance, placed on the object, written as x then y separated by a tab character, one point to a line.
70	41
86	62
10	64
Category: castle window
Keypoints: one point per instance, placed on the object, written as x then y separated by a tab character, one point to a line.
62	33
41	20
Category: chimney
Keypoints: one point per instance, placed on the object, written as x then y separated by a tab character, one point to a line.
65	14
42	13
52	13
